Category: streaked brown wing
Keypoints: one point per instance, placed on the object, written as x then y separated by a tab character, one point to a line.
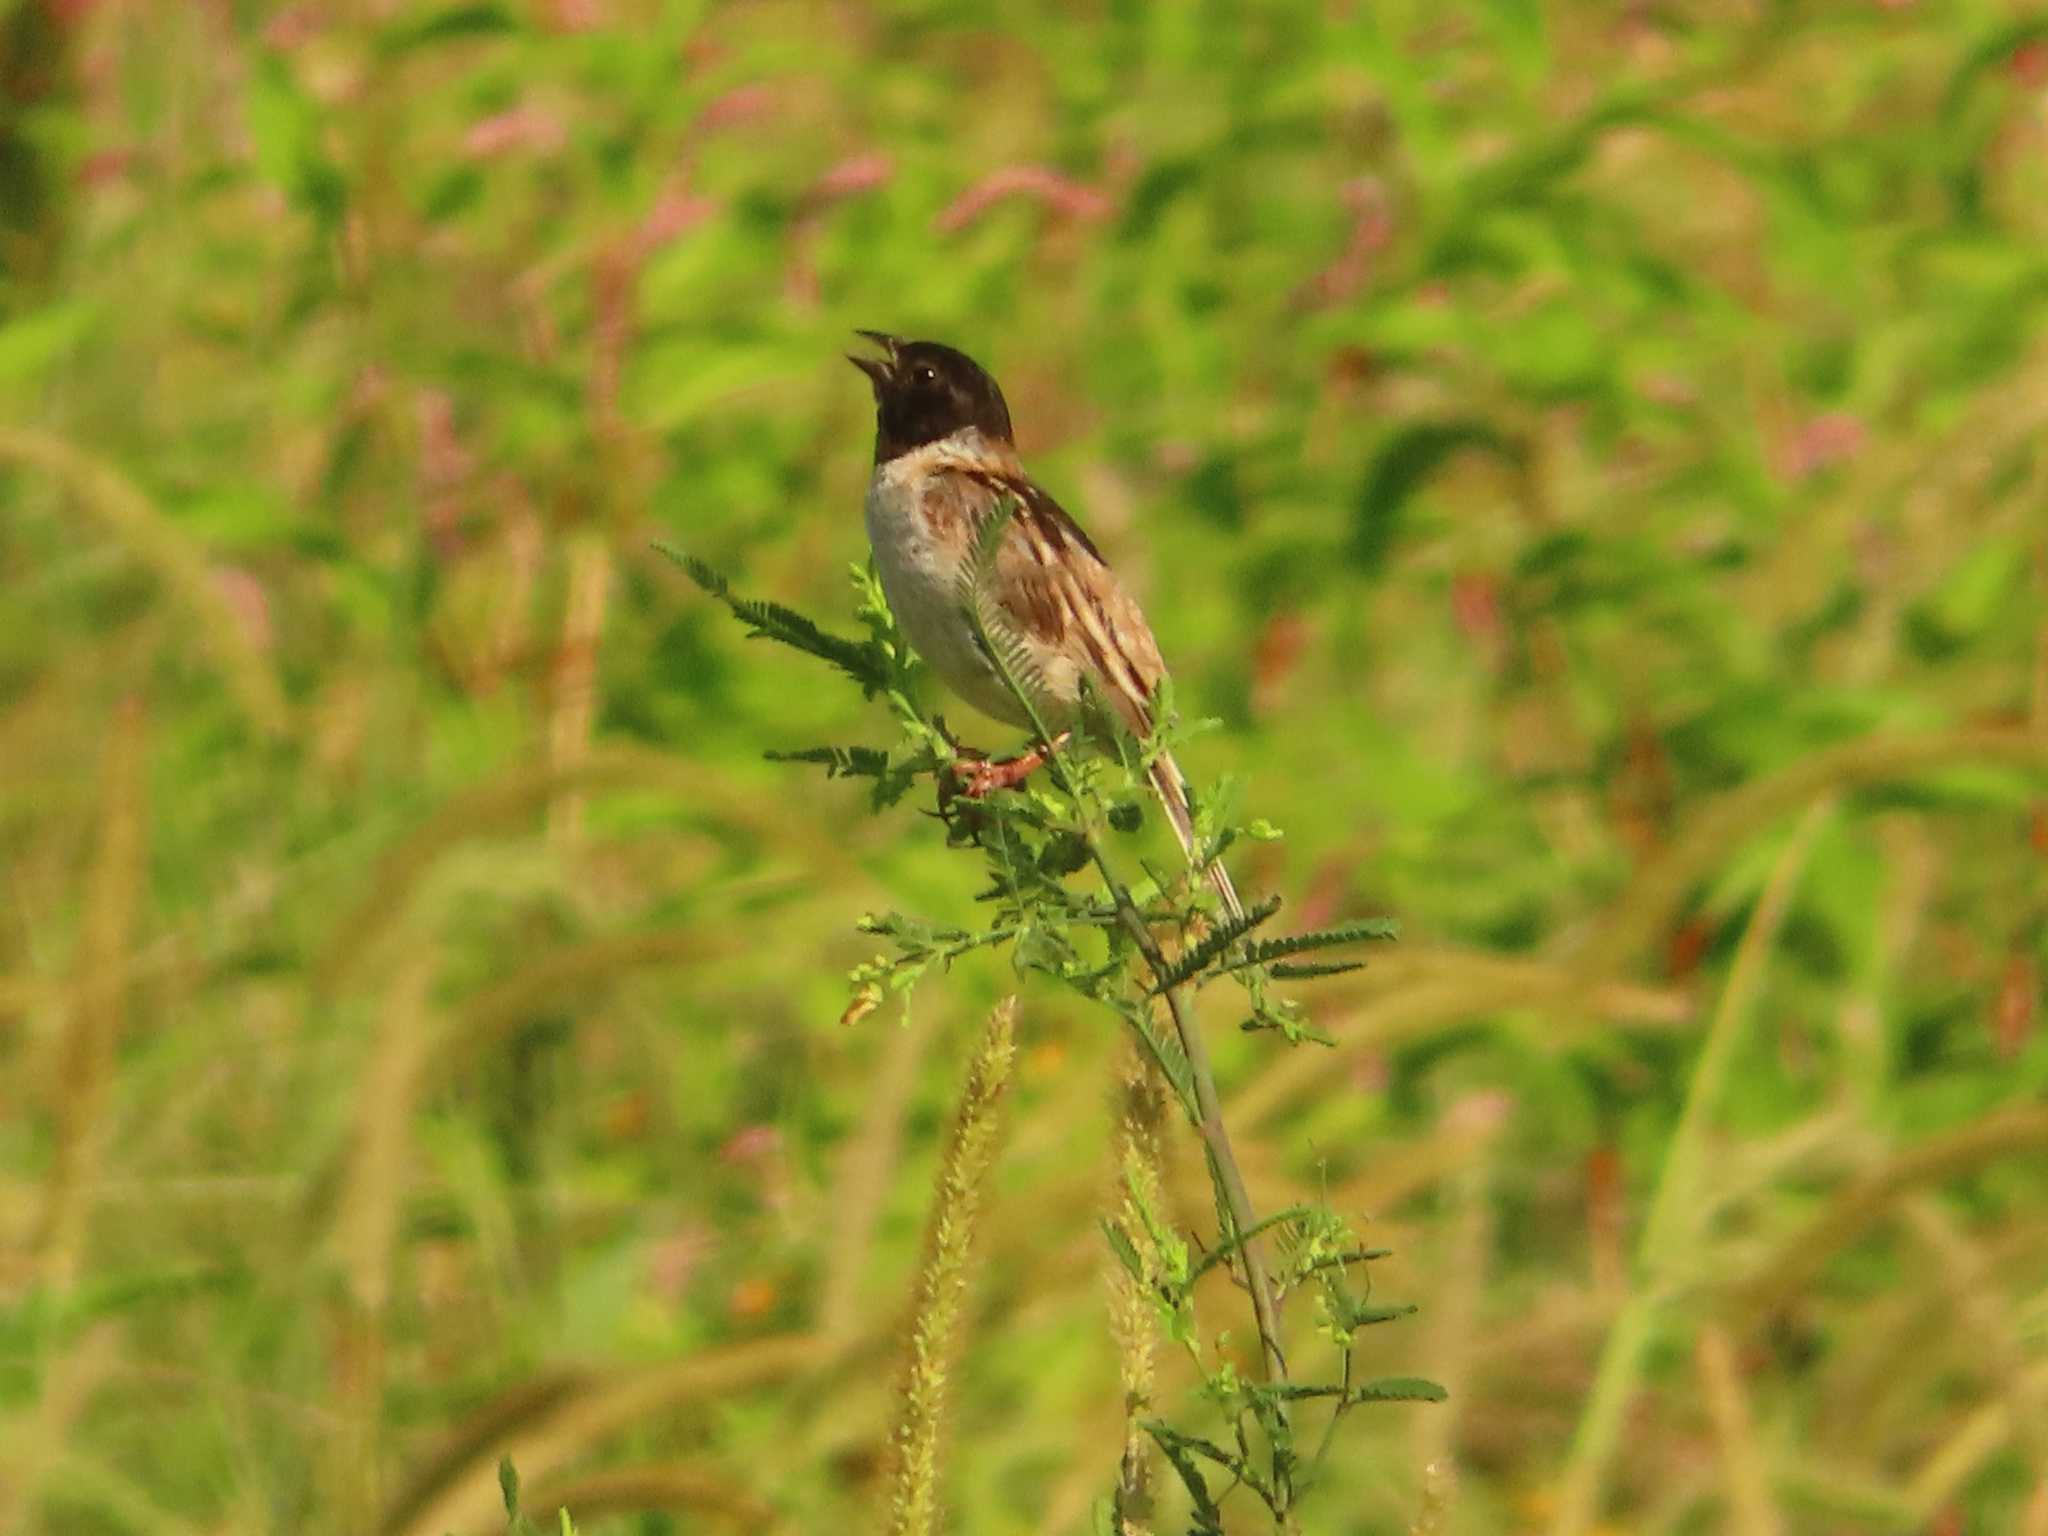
1054	582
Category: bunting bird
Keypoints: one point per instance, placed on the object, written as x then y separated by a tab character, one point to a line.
945	465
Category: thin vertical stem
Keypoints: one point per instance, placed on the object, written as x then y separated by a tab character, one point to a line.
1668	1235
1140	1101
1223	1167
85	1055
1751	1510
369	1209
575	692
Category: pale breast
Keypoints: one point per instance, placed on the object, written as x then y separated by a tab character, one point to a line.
919	551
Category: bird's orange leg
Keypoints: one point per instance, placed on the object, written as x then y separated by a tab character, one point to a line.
980	775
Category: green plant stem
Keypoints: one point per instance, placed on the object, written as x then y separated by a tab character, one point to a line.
1223	1168
1668	1235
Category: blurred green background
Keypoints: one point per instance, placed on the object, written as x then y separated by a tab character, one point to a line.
1592	458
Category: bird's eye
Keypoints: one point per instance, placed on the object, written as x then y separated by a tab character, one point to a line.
924	373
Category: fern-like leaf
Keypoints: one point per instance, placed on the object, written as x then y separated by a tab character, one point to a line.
1214	944
1360	1316
1232	1244
1165	1055
1308	970
1180	1451
1386	1389
1125	1250
1369	929
1398	1389
838	762
864	662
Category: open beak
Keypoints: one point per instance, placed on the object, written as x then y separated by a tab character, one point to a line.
878	369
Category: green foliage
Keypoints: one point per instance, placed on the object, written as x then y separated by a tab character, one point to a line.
1263	950
1561	443
867	664
1403	466
1200	958
517	1521
1104	947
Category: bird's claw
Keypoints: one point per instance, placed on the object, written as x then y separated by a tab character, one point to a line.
977	775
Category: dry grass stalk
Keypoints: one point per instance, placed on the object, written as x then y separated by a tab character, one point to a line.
1656	896
119	504
1135	1164
1751	1509
1961	1455
1454	1313
370	1202
32	1442
495	808
941	1290
1795	1262
575	681
1439	1485
85	1051
1996	1338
